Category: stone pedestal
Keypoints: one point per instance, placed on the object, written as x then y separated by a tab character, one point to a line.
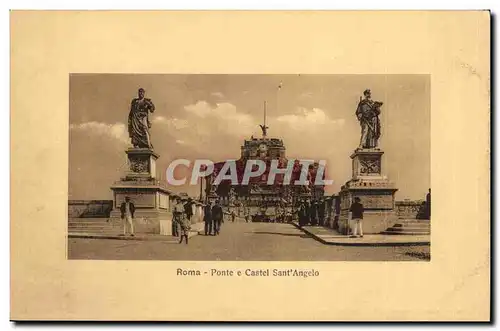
152	201
142	163
375	191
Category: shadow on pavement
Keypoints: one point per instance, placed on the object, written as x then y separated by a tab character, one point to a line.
300	235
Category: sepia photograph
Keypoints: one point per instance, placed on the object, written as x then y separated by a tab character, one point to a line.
249	167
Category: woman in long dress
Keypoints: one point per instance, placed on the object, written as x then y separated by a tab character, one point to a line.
183	222
178	213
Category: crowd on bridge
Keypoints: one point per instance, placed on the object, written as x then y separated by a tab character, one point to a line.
213	217
312	212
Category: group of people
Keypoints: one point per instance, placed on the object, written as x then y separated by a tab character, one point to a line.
213	216
311	212
281	216
182	214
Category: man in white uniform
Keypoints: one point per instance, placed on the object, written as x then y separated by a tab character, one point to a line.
127	209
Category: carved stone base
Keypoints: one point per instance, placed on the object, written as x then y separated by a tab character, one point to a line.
375	191
152	204
366	163
142	163
378	204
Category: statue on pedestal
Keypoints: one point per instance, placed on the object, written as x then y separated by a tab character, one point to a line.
264	128
138	121
367	114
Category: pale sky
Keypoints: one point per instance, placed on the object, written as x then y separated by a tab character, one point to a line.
209	116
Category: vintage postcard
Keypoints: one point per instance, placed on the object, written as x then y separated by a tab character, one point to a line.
201	157
276	167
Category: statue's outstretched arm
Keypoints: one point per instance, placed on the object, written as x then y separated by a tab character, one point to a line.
151	105
378	104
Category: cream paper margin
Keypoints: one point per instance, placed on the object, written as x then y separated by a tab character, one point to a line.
453	47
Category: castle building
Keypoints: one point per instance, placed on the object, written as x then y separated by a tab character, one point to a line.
259	197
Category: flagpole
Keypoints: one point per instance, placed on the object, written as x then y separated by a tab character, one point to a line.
277	96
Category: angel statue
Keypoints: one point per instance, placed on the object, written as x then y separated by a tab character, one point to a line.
264	129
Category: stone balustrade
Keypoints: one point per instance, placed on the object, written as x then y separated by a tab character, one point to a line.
89	208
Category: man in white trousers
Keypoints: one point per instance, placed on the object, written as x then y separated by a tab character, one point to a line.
356	212
127	209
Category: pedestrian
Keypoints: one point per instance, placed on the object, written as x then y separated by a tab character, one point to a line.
321	212
233	216
314	213
428	205
207	217
301	213
184	220
127	210
247	215
356	216
178	212
307	218
217	216
188	208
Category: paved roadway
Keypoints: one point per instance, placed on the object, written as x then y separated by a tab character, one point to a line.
238	241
